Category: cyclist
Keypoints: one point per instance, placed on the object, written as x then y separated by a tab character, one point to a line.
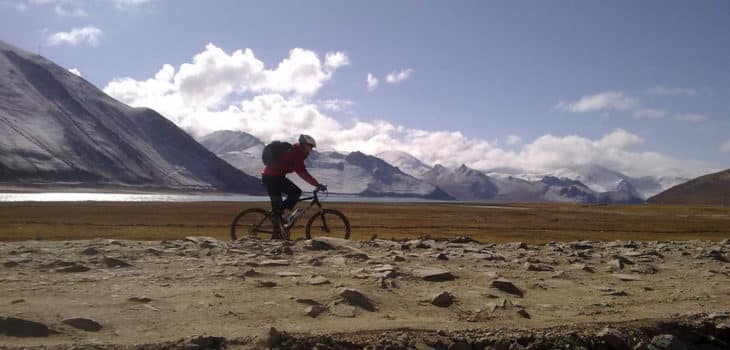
276	183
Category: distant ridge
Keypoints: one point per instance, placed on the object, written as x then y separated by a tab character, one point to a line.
57	129
711	189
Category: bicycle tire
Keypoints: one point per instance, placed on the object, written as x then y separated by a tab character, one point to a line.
252	222
330	221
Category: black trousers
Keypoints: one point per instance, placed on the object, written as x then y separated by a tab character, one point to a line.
278	185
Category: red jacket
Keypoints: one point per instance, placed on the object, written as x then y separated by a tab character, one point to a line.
291	161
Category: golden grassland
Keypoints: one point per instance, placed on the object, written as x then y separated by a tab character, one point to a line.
531	223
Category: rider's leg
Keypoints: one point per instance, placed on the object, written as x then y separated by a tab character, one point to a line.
274	188
293	193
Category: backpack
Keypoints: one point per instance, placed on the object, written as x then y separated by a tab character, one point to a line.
274	151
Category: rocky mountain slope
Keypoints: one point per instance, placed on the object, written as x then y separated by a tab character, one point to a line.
712	189
58	129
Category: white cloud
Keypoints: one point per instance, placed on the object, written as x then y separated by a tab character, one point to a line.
668	91
725	146
649	113
513	139
77	36
336	105
610	100
273	108
690	117
396	77
69	9
75	71
126	4
334	60
372	82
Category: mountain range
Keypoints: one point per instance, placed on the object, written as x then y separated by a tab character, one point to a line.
711	189
58	129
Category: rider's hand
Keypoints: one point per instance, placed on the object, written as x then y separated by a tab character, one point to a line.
320	188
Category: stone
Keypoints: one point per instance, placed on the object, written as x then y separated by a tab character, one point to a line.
317	244
523	313
271	338
90	251
342	310
433	274
11	263
73	268
318	280
16	327
141	299
266	284
310	302
538	267
114	262
270	263
443	299
288	274
613	338
314	310
626	277
506	286
643	268
85	324
666	342
356	298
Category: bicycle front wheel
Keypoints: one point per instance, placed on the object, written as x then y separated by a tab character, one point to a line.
328	222
252	222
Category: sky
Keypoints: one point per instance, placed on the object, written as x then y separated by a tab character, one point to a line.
641	87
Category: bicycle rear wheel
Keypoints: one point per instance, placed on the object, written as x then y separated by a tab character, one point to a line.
252	222
328	222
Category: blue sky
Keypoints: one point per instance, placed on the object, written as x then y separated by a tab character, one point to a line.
638	86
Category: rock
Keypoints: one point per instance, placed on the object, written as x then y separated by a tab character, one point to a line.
73	268
506	286
11	263
462	240
90	251
356	298
342	310
113	262
538	267
288	274
441	256
314	310
16	327
265	284
613	338
627	278
615	265
523	313
142	299
318	280
85	324
433	274
666	342
310	302
271	338
643	268
443	299
317	244
270	263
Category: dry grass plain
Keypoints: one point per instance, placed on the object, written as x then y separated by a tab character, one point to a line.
530	223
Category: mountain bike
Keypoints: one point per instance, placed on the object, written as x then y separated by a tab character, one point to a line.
325	222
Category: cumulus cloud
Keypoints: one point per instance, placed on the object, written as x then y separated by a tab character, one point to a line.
610	100
396	77
75	71
649	113
725	146
690	117
513	139
89	36
336	105
372	82
278	105
668	91
334	60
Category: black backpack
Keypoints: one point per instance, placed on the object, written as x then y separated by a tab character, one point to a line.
274	151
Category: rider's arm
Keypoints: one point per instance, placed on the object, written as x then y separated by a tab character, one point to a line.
304	174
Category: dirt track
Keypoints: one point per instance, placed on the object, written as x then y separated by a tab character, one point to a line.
174	292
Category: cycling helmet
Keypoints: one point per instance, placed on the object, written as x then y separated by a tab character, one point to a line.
307	139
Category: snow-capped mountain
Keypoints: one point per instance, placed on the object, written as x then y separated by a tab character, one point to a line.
462	183
602	179
405	162
354	173
56	128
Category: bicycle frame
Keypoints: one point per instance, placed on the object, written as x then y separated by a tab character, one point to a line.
314	201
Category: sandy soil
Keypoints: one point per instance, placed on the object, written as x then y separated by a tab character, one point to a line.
204	293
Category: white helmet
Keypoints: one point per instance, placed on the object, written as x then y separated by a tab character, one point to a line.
307	139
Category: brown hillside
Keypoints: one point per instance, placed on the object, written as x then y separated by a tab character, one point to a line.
712	189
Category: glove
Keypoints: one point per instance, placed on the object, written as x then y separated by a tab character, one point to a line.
320	188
